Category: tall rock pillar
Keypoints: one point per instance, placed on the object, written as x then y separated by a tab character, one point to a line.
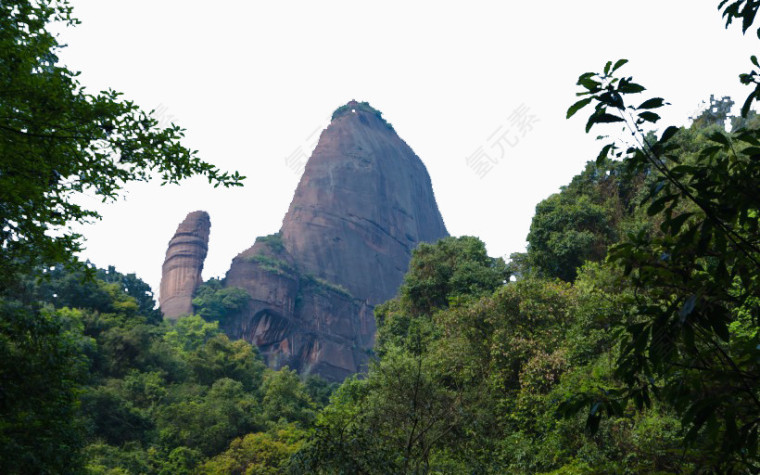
181	272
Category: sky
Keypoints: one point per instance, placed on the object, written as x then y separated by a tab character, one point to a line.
253	84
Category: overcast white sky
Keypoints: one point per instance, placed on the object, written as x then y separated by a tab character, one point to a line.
251	81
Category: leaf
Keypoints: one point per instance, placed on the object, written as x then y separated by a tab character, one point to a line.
753	58
748	136
677	223
640	343
748	103
589	83
608	66
649	116
748	17
607	118
612	98
709	151
705	236
618	64
631	88
659	204
719	138
752	436
578	106
601	117
701	411
668	134
604	153
653	103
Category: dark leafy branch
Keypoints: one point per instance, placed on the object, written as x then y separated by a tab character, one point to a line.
695	274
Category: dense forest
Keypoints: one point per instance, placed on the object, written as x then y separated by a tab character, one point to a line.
624	340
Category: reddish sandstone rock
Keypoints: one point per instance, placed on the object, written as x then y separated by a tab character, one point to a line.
181	272
363	203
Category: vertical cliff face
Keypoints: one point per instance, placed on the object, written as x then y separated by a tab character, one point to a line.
181	272
364	202
296	318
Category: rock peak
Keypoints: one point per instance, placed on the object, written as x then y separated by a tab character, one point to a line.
358	110
364	201
183	265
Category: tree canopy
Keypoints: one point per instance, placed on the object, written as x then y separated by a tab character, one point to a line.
58	141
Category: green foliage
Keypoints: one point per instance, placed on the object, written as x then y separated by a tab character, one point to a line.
696	272
273	241
104	459
42	368
319	389
408	408
58	141
135	288
191	333
262	453
450	272
272	264
388	424
79	289
222	358
736	9
215	303
285	398
181	461
210	422
159	398
566	233
441	273
323	286
475	383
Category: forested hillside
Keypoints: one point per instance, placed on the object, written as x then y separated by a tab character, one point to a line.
134	394
482	366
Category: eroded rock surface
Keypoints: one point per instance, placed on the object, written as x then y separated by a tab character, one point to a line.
296	318
181	272
364	202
